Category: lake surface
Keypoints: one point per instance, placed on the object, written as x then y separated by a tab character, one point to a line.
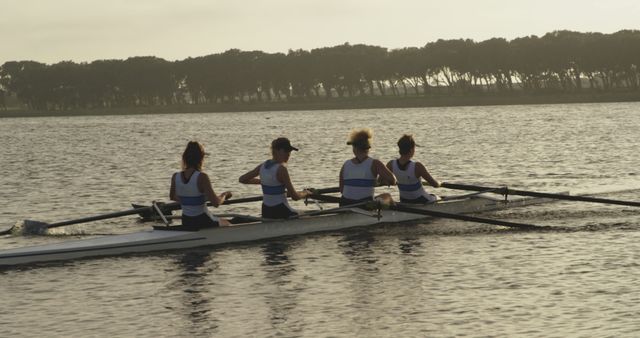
440	278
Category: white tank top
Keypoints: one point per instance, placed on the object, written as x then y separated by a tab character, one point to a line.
193	202
358	180
409	184
273	191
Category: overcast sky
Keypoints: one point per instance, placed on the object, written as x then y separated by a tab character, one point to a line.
86	30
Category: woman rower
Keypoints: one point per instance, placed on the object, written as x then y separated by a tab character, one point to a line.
359	175
409	174
273	175
192	189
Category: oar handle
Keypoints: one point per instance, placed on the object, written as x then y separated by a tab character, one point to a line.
505	190
330	199
326	191
241	200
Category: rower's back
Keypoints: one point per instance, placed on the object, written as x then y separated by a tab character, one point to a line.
358	180
273	190
410	184
191	199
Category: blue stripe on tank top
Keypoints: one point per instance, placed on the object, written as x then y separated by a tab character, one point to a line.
410	187
273	189
359	182
192	200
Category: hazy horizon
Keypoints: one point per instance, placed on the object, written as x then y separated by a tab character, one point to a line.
83	31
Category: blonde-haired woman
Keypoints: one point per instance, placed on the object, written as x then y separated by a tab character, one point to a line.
359	175
410	174
192	189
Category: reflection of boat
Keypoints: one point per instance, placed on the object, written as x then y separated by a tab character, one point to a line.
168	238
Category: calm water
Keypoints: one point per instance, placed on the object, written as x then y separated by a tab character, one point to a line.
441	278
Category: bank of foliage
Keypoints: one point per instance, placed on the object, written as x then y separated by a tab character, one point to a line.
558	62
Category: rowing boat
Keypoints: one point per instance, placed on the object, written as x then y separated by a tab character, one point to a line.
168	238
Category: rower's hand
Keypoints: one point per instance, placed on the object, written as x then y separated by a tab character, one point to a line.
307	192
227	194
385	199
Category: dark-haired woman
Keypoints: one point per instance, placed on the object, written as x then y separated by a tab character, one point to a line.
273	176
359	175
410	174
192	189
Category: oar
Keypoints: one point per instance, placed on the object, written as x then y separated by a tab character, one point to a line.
508	191
36	227
440	214
39	227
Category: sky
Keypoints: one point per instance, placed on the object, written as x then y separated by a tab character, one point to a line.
51	31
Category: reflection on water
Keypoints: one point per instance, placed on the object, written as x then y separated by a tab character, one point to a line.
192	280
281	301
275	254
356	246
409	245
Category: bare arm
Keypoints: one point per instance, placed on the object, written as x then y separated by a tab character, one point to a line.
390	166
421	171
204	185
386	176
251	177
283	177
172	190
341	180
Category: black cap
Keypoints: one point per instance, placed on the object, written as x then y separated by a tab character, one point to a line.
283	143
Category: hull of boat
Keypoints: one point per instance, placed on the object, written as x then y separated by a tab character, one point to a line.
157	240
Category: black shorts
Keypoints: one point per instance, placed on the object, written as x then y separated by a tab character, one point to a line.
347	201
201	221
278	211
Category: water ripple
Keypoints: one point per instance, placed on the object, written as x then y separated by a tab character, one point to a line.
576	277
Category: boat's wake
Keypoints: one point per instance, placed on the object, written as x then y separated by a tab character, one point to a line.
25	228
602	218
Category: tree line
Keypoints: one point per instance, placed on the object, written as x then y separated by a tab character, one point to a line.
558	62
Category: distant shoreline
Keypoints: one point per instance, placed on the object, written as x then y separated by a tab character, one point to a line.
341	104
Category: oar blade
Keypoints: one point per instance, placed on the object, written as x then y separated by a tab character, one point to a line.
26	227
31	227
